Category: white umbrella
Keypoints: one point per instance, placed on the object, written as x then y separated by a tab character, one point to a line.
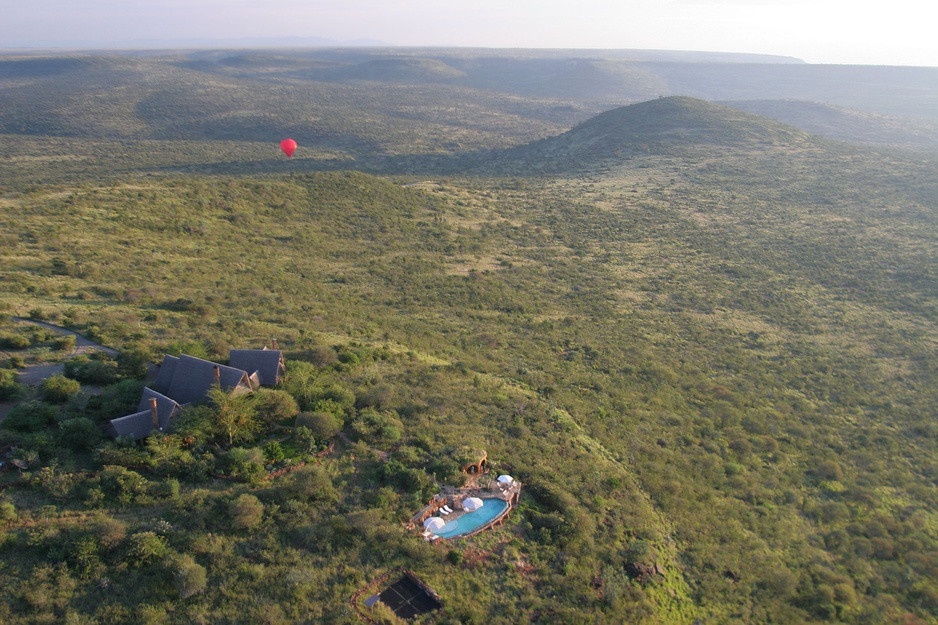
472	503
505	479
434	523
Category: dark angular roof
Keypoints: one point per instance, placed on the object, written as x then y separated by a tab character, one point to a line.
166	408
189	378
164	376
140	424
135	426
268	363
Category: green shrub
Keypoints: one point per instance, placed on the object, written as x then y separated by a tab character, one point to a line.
312	483
91	370
58	389
246	512
116	400
14	341
274	406
134	363
273	452
7	512
10	389
78	433
31	416
64	343
123	484
243	464
190	576
380	428
323	425
146	548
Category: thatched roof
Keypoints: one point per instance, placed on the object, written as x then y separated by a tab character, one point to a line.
268	363
189	378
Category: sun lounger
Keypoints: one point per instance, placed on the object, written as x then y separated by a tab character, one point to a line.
446	509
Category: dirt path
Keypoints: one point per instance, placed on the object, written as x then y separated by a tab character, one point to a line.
33	375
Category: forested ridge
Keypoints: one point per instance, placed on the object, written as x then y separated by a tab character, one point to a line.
700	339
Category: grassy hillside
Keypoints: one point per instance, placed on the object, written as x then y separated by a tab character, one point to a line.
715	354
657	127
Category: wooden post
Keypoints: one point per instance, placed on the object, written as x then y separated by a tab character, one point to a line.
154	416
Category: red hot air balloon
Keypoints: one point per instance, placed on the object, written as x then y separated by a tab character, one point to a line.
288	146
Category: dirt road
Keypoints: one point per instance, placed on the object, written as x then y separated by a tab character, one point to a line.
33	375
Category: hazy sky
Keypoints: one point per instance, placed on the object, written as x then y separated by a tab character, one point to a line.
818	31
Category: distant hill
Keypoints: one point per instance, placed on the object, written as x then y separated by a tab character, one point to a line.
655	126
392	102
843	123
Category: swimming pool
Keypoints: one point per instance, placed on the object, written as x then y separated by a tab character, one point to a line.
471	521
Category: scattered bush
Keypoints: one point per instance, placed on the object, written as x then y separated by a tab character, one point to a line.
78	433
14	341
64	343
323	425
10	389
274	406
246	512
58	389
97	370
273	452
31	416
379	428
146	548
243	464
134	363
190	576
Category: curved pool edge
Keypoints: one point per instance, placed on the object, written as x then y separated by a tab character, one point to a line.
498	518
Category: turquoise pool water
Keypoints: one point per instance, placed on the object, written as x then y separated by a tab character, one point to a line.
472	521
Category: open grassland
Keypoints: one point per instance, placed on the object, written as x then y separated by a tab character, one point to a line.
721	361
705	342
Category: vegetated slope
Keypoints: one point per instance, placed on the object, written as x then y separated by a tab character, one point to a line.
844	124
719	359
179	98
419	101
661	126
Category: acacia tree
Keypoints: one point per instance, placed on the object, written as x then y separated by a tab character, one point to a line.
235	415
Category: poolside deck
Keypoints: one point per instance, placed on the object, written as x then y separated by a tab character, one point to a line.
453	498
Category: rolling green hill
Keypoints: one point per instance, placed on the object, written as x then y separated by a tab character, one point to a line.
657	127
702	339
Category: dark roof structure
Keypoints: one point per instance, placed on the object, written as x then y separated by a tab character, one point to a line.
267	363
188	379
408	597
164	377
154	413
